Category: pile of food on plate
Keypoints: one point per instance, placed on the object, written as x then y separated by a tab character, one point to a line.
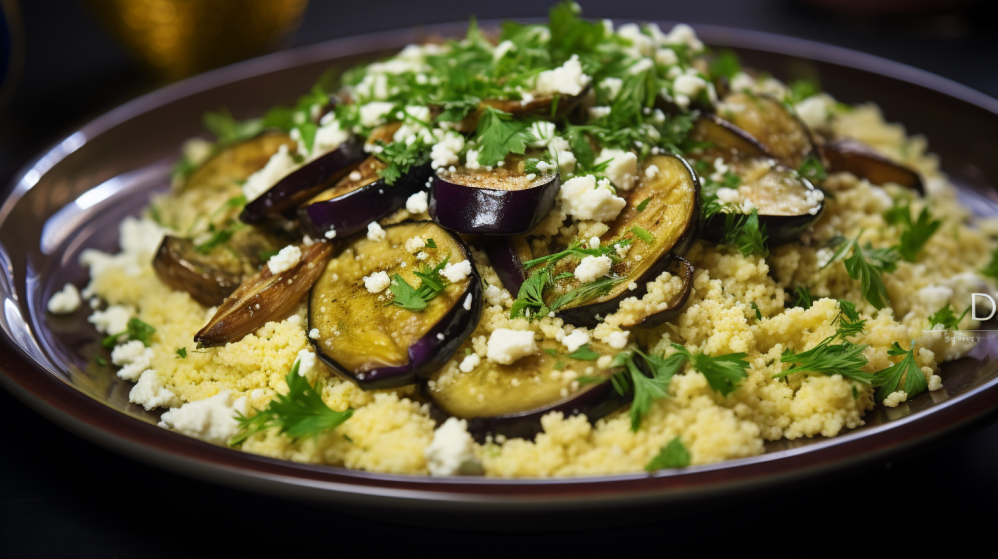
543	250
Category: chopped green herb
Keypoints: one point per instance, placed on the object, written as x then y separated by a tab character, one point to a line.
400	157
804	299
758	313
575	249
584	353
725	64
746	234
867	265
672	455
642	234
644	204
915	234
551	352
947	318
412	299
498	135
890	378
299	413
812	170
723	372
430	243
530	299
135	330
633	381
101	361
802	89
182	353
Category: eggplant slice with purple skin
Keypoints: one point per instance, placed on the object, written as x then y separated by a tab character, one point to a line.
510	400
264	297
725	139
507	255
503	201
666	310
360	198
670	212
305	182
237	162
787	203
212	275
855	157
366	338
778	131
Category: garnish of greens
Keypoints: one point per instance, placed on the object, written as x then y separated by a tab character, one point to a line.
415	299
812	170
723	373
914	234
946	317
803	297
672	455
866	265
299	413
744	232
135	330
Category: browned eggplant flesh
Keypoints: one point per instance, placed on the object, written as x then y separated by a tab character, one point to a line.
779	132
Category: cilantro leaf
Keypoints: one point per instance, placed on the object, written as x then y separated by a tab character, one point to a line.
229	130
889	379
991	270
644	204
723	372
947	318
642	234
498	135
672	455
400	157
299	413
758	313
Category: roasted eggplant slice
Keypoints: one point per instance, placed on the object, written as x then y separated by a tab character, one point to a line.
264	297
669	211
237	162
358	199
510	400
503	201
364	335
726	140
507	255
304	182
786	202
537	106
859	159
779	131
212	275
668	310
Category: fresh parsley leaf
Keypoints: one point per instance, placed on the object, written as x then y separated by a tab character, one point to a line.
947	318
802	89
672	455
182	353
413	299
587	292
723	372
229	130
867	265
570	34
101	361
915	233
849	323
584	353
299	413
746	234
498	135
889	379
135	330
829	359
400	157
529	301
812	170
725	64
645	390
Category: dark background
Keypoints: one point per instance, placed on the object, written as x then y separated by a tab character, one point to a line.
63	497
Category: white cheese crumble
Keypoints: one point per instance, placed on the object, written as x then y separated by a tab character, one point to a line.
414	244
494	295
567	79
617	339
597	113
467	302
456	272
287	258
313	333
469	362
372	114
445	152
277	167
612	86
65	301
560	150
815	111
375	232
471	160
622	169
113	320
541	133
212	419
502	48
377	282
593	268
327	138
331	234
505	346
582	199
651	171
306	362
641	44
575	340
150	393
133	357
666	57
451	446
417	203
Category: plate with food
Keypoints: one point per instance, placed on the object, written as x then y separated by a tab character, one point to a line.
516	267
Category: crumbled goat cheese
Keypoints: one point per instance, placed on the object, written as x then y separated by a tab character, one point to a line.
457	272
824	255
815	111
327	138
502	48
313	333
617	339
567	79
641	44
593	268
505	346
683	34
813	199
375	232
444	153
581	199
414	244
133	357
666	57
575	340
372	114
469	362
113	320
451	446
541	133
277	167
212	419
622	169
417	203
377	282
642	65
651	172
65	301
494	295
467	302
471	160
688	85
933	297
728	195
597	113
150	393
612	86
559	149
594	242
413	126
287	258
306	362
331	234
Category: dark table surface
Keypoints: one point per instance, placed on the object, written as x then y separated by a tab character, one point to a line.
61	496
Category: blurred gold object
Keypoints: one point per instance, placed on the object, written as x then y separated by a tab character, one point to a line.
174	39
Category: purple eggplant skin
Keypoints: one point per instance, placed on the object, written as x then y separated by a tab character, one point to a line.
486	211
855	157
595	403
507	255
354	210
591	314
432	350
676	307
303	183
